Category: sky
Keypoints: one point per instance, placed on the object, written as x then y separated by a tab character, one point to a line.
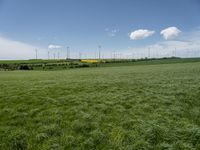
123	28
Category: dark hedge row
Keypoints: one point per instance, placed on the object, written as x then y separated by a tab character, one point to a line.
44	66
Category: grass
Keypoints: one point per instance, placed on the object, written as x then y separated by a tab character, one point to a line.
121	108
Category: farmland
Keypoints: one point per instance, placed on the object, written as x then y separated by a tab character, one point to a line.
63	64
142	105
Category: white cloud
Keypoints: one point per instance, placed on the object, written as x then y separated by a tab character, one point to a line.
51	46
111	32
163	49
141	34
170	33
10	49
187	46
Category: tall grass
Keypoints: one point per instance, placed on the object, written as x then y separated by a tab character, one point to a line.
130	107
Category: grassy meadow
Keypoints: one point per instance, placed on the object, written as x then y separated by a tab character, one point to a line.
134	107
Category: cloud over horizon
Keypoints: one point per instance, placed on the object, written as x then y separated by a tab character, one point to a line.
52	46
11	49
140	34
187	45
170	33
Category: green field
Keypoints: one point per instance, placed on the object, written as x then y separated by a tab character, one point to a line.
64	64
122	108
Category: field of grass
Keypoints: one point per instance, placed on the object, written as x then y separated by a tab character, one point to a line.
121	108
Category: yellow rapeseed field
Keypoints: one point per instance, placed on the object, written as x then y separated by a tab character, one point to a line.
90	60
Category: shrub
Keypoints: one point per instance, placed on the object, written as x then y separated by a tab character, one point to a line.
25	67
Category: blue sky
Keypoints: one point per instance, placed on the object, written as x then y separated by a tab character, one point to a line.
85	24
